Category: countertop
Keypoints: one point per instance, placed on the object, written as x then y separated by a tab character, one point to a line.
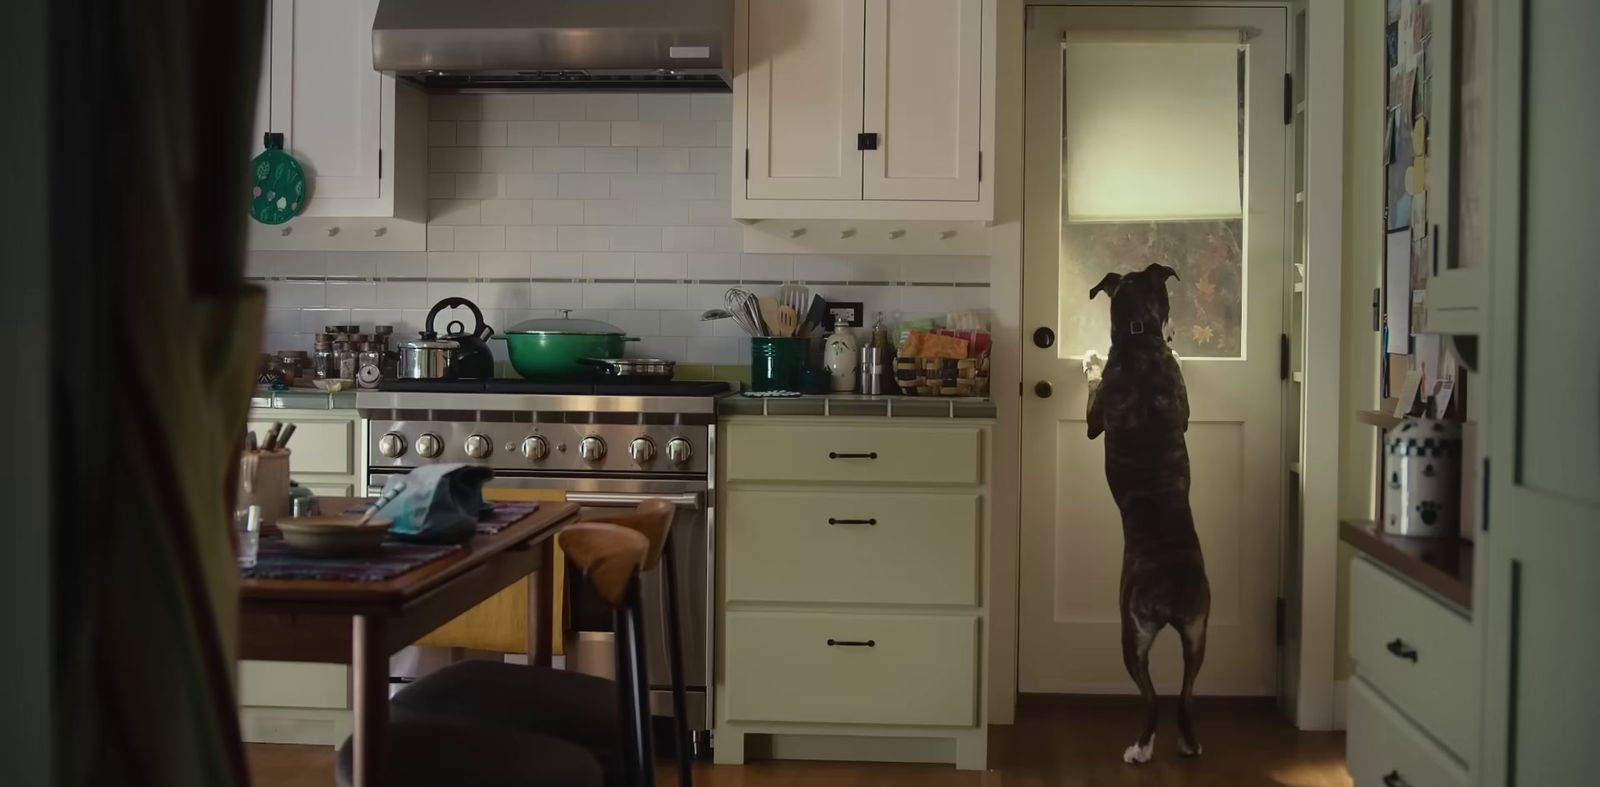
859	405
302	399
1442	565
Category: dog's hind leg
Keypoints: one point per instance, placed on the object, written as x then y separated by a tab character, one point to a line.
1136	641
1193	635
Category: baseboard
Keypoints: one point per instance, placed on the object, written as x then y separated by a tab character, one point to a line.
305	726
1341	691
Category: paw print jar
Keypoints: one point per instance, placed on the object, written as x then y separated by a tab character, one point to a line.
1422	479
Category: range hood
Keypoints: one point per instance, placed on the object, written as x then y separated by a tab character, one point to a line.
511	45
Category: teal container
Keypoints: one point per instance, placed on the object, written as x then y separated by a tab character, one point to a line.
777	362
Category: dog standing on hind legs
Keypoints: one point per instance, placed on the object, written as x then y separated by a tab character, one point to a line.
1138	400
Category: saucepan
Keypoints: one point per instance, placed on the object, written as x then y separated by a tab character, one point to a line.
654	368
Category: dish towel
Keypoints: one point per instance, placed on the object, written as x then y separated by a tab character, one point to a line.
439	505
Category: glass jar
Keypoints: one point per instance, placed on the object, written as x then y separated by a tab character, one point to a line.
347	360
324	365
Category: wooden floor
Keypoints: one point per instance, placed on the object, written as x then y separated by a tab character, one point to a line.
1056	742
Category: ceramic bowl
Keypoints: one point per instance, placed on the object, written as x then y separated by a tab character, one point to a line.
333	386
334	535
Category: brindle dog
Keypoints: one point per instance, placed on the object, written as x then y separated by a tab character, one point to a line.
1140	403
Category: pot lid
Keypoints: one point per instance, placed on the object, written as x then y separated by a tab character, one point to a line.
431	343
566	325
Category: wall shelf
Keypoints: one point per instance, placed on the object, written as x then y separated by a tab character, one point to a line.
1379	418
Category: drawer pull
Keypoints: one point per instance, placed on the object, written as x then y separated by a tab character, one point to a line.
1401	650
833	521
868	455
851	643
1394	779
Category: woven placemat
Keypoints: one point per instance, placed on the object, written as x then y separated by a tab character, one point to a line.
276	560
500	517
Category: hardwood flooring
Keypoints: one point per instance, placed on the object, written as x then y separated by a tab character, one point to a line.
1056	742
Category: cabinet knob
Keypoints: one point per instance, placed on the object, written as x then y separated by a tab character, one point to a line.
1042	389
1400	650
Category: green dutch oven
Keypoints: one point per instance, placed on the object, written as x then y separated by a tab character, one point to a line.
552	346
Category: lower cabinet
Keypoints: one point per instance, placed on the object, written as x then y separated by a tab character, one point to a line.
851	593
1385	749
295	702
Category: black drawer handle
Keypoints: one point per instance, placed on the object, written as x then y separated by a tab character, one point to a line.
868	455
851	643
833	521
1394	779
1401	650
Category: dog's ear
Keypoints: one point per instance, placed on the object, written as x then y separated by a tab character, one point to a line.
1109	284
1164	271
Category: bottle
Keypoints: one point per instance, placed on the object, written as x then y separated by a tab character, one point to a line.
324	365
839	352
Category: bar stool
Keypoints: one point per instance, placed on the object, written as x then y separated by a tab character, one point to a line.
568	704
432	749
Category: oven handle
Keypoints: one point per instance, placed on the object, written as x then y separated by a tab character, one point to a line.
689	500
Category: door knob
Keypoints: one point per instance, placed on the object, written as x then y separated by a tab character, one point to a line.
1042	389
1044	337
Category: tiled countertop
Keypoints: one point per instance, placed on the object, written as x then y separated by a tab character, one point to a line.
302	399
858	405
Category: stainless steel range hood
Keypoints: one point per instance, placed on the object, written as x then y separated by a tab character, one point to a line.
510	45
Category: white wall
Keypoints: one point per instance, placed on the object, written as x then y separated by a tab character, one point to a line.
615	205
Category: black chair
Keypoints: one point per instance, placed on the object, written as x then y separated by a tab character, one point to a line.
436	746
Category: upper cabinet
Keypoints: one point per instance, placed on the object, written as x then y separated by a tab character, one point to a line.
870	109
354	130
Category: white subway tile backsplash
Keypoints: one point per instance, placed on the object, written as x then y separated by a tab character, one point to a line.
452	264
282	321
711	106
454	107
402	294
560	106
439	290
660	295
287	263
505	295
455	159
453	211
636	322
441	132
555	211
689	133
722	267
714	160
504	212
636	186
724	133
636	134
663	159
583	239
584	133
314	320
667	347
400	263
611	106
353	264
504	265
441	184
367	318
710	212
766	267
481	133
558	159
608	295
688	239
532	133
605	211
484	238
610	160
729	238
475	185
661	212
530	185
686	322
507	159
536	238
506	106
661	106
296	293
607	265
634	238
689	186
352	294
557	264
714	350
575	185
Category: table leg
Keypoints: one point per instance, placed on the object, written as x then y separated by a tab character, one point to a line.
541	607
370	672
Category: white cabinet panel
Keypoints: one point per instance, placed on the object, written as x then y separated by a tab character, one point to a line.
923	69
326	98
804	98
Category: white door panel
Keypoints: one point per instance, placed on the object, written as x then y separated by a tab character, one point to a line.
1228	310
326	98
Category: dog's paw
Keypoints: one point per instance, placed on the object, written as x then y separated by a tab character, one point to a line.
1139	755
1189	749
1094	365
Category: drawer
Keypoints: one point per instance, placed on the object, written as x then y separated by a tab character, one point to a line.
868	548
317	446
1384	749
293	684
920	670
917	455
1417	652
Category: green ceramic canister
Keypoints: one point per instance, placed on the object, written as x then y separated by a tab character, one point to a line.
777	362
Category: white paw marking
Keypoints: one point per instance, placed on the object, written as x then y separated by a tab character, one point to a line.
1139	755
1185	750
1094	365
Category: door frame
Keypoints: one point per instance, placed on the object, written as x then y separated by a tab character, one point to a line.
1314	708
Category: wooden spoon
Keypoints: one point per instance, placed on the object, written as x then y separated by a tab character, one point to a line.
788	321
770	315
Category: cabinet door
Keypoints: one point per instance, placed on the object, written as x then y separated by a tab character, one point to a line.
803	98
327	100
263	111
923	69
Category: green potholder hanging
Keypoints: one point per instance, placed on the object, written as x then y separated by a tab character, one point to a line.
278	184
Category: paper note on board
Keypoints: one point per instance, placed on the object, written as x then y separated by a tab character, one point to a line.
1408	393
1397	290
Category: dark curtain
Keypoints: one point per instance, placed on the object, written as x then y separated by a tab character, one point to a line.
154	351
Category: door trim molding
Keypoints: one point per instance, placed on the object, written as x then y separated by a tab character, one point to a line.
1324	190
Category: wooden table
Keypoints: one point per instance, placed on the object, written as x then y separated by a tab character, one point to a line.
364	623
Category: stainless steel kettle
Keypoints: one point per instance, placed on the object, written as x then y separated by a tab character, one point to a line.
428	358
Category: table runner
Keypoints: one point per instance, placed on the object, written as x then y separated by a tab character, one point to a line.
500	517
276	560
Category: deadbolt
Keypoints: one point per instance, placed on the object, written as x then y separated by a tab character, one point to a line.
1042	389
1044	337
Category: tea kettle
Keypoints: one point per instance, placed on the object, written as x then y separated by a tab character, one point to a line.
472	357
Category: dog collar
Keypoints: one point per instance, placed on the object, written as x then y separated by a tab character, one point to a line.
1136	327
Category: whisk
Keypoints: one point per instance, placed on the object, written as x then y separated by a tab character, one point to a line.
746	310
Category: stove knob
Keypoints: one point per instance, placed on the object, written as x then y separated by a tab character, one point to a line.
478	446
592	449
429	445
535	448
392	445
679	451
642	450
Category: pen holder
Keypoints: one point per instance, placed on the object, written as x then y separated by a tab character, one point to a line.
264	482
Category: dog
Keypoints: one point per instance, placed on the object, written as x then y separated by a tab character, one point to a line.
1138	400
